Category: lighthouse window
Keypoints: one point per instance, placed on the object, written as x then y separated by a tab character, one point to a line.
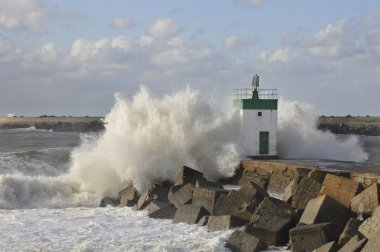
259	113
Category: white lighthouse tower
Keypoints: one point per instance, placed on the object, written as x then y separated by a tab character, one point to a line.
258	112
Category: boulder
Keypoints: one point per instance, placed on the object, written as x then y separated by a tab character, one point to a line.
181	194
328	247
340	188
224	222
371	226
206	197
373	244
189	214
309	237
188	175
366	201
161	210
240	241
355	244
108	201
306	190
349	231
272	229
128	196
289	191
326	209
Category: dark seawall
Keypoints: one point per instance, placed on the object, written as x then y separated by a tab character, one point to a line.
58	124
358	125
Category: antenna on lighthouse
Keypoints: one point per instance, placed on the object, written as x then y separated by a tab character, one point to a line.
255	81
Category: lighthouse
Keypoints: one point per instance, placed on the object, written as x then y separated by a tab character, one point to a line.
258	114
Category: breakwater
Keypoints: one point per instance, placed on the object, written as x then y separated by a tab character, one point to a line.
58	124
305	205
356	125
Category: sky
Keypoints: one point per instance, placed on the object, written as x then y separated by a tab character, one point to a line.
70	57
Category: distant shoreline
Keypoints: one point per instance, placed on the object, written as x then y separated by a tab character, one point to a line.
55	123
356	125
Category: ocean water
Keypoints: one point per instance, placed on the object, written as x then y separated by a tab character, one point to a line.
51	183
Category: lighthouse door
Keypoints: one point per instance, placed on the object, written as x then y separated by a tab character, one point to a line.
264	142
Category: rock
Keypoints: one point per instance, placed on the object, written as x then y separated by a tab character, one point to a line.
161	210
156	192
349	231
373	244
328	247
224	222
366	201
277	183
206	197
309	237
208	184
273	207
272	229
306	190
317	175
240	241
355	244
371	226
180	194
241	203
203	221
188	175
128	196
189	214
108	201
326	209
341	189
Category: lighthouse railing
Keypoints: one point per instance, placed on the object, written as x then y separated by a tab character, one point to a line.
246	93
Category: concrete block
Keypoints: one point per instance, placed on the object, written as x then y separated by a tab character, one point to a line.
188	175
366	201
161	210
373	244
306	190
326	209
203	221
273	207
349	231
208	184
224	222
340	188
189	214
289	191
253	190
355	244
273	230
277	183
328	247
244	242
128	196
206	197
156	192
309	237
108	201
371	226
180	194
317	175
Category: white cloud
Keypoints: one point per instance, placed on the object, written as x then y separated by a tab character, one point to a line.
23	15
163	28
123	22
234	41
280	55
